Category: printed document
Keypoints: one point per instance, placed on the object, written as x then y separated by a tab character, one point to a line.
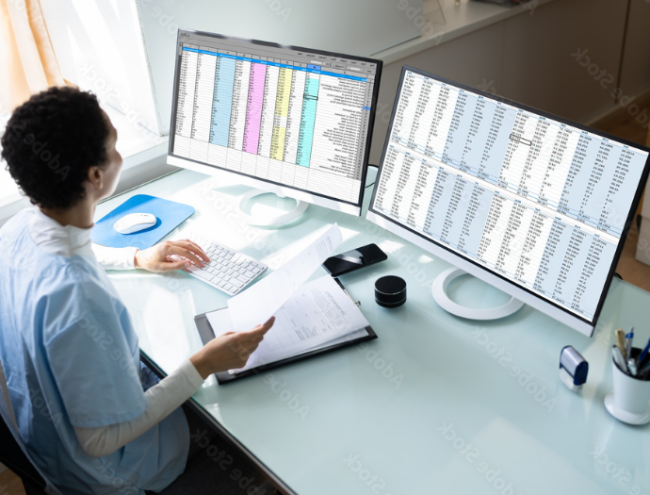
258	303
318	313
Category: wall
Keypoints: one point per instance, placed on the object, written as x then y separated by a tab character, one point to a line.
530	58
356	27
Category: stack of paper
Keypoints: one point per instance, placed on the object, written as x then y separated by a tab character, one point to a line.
307	315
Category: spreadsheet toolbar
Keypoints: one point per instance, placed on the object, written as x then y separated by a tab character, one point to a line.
281	115
540	202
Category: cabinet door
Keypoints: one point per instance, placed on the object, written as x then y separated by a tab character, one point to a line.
563	57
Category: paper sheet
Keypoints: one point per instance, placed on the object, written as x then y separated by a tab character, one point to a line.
318	313
258	303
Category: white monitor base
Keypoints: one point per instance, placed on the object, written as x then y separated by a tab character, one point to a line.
276	221
439	293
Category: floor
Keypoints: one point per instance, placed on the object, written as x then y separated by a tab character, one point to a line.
10	483
620	124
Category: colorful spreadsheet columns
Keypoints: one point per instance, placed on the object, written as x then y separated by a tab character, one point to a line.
271	118
255	102
281	113
308	119
224	79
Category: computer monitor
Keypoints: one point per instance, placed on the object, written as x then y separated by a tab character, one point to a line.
535	205
292	121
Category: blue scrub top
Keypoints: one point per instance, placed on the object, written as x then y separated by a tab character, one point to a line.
71	357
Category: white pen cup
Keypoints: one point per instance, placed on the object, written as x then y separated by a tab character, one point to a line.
631	394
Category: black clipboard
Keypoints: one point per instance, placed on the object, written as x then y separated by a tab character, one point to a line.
207	334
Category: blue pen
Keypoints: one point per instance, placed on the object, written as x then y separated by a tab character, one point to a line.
644	353
628	342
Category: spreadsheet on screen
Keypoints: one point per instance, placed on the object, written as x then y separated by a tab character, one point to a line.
289	116
535	200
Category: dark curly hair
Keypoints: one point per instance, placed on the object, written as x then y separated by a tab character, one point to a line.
51	141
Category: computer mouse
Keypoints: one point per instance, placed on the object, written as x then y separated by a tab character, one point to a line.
134	222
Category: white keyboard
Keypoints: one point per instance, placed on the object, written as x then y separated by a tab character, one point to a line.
228	270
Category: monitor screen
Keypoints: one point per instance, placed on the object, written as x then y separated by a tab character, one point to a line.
284	115
540	202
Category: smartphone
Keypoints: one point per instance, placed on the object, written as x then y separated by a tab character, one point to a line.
353	260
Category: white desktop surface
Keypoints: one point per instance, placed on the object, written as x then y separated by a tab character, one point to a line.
352	428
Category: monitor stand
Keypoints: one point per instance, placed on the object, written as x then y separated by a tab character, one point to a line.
439	292
276	221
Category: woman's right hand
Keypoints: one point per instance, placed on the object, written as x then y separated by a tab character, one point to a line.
229	351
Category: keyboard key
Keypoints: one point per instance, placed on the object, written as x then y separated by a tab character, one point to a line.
228	270
200	273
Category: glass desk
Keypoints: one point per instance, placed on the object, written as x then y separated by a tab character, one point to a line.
435	405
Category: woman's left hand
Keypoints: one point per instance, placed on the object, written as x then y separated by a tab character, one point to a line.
171	255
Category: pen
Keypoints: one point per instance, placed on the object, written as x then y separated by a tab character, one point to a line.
644	373
644	353
631	365
357	303
629	339
618	358
620	340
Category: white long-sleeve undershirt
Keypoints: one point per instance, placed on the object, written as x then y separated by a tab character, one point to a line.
115	258
162	399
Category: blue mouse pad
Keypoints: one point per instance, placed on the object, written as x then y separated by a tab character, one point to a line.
169	215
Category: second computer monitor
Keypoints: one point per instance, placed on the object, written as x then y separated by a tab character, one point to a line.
533	204
288	120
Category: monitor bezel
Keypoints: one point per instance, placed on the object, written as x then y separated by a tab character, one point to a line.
266	184
528	296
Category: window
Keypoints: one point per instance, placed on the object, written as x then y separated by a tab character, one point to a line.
99	46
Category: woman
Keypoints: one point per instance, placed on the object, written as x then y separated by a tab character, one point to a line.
87	417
